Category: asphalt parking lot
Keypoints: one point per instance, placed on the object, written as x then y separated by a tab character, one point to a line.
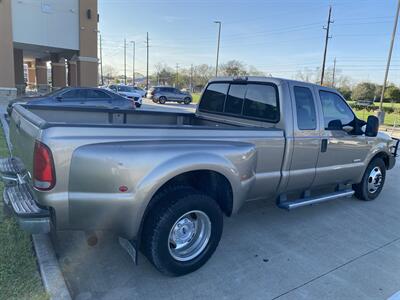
344	249
169	106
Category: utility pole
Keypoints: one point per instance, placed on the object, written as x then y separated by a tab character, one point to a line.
334	71
125	61
381	113
327	37
177	74
147	67
218	43
191	78
101	63
133	62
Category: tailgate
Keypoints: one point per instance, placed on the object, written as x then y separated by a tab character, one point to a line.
24	130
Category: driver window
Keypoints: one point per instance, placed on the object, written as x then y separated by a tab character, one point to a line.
334	108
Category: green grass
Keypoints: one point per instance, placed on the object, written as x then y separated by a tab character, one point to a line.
389	118
19	276
196	97
385	104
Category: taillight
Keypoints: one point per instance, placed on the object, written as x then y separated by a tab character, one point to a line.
44	177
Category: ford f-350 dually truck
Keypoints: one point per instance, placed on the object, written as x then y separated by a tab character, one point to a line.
162	181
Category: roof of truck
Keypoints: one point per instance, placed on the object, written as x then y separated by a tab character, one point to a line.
275	80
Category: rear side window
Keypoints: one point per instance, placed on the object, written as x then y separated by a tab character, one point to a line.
305	108
97	94
214	97
252	101
77	93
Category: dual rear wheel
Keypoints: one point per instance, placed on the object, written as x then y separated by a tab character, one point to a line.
182	231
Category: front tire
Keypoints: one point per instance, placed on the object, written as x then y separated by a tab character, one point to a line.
372	182
182	231
162	100
187	101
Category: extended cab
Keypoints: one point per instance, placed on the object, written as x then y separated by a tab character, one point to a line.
163	180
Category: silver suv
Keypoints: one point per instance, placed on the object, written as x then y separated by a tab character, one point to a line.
162	94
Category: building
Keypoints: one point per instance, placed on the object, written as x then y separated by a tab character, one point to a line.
39	34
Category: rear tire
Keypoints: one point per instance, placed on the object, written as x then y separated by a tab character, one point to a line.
187	101
372	182
162	100
182	231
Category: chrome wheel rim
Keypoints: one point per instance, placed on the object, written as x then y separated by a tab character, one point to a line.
189	235
374	180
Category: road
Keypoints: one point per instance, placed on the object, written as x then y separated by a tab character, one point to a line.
344	249
169	106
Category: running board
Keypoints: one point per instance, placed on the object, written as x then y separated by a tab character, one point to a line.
289	205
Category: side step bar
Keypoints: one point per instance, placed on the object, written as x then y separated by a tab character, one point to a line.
289	205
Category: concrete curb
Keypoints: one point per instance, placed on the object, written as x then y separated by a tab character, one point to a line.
52	278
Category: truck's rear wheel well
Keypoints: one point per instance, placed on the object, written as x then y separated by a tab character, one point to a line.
384	157
209	182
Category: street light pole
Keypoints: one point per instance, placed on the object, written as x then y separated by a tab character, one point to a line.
381	114
125	61
133	62
218	43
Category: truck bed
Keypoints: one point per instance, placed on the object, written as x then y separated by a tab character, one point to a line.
94	116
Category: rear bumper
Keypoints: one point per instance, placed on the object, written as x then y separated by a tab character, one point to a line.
20	199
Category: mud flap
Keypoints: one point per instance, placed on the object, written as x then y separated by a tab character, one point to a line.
130	247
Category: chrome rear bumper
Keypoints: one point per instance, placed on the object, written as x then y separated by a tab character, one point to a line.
19	197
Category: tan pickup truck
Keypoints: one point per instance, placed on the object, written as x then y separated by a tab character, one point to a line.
162	181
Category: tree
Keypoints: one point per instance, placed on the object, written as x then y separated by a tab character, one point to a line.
202	74
364	91
253	71
233	68
345	91
392	92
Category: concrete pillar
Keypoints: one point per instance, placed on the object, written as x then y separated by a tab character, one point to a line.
58	73
31	75
72	73
41	76
87	62
7	80
19	71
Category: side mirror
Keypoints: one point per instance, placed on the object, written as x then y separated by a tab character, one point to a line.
59	98
372	127
335	125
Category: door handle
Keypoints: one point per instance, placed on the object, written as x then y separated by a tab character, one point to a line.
324	145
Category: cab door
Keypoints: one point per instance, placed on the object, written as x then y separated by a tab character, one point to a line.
343	153
306	138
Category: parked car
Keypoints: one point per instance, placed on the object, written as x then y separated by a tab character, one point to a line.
82	96
128	92
163	94
163	180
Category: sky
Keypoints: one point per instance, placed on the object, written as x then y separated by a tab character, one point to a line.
278	37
